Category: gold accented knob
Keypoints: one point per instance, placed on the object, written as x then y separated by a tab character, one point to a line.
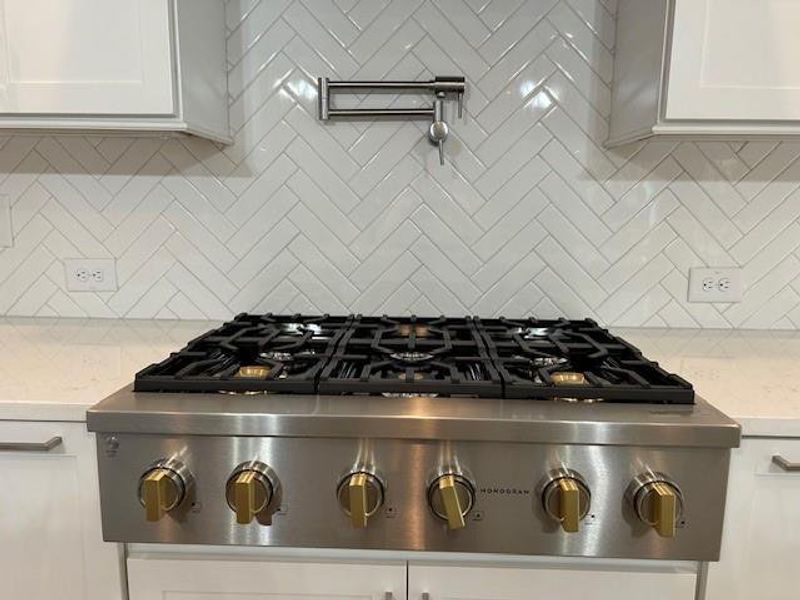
452	503
358	499
569	506
665	509
566	498
659	503
250	490
360	496
249	496
451	497
162	488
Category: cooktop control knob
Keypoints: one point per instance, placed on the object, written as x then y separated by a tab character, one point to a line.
566	498
163	487
451	497
250	491
657	501
360	495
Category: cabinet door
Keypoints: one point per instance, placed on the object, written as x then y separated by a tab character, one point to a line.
524	583
50	536
735	59
151	578
86	57
760	555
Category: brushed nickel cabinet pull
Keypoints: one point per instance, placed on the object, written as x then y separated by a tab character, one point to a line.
53	442
791	467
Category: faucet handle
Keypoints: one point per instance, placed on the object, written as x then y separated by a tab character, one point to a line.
438	131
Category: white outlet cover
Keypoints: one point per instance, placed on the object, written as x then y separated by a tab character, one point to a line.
91	274
726	285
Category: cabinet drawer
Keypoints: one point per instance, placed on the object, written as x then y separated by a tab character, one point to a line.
775	457
41	438
521	583
219	578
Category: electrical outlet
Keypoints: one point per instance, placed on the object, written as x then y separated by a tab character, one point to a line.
715	285
91	274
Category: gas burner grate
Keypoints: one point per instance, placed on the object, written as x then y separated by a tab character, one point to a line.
371	375
511	358
252	353
529	352
435	336
411	356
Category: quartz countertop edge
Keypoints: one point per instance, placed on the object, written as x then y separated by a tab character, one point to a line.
55	369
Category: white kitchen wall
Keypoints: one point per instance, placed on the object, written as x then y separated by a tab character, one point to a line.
530	215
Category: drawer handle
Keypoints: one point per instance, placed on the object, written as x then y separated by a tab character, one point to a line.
53	442
784	464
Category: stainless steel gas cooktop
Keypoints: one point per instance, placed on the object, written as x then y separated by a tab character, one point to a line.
516	436
493	358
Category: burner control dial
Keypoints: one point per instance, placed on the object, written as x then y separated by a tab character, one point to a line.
360	495
657	501
451	497
250	491
163	487
566	498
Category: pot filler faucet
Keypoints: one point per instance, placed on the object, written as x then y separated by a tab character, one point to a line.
440	86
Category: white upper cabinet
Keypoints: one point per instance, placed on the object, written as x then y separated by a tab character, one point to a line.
706	67
114	64
735	59
87	57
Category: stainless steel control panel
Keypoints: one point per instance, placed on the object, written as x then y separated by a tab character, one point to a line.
309	492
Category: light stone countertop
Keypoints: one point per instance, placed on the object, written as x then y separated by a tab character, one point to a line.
752	376
54	369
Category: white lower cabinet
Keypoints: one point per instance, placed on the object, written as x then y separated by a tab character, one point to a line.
51	544
225	579
760	555
467	582
219	578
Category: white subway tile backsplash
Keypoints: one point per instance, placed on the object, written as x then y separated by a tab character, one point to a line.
530	214
6	230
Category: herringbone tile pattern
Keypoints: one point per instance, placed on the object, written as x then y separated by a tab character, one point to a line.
531	214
